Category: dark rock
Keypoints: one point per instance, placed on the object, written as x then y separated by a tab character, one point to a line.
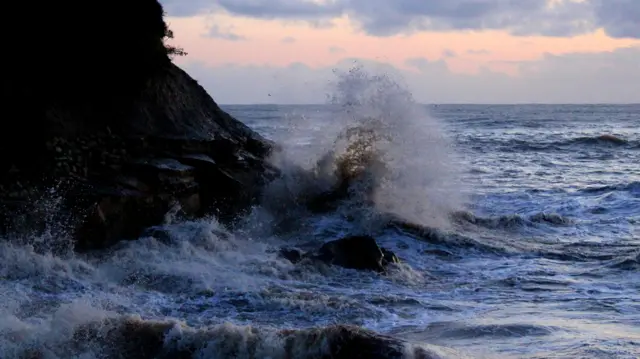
162	173
219	187
124	214
389	256
356	252
159	234
293	255
128	133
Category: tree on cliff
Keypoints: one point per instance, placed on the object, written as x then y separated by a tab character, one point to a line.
172	50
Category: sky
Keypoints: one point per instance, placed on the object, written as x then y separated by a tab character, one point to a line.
444	51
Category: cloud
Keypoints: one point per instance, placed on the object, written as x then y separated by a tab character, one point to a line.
272	9
619	18
523	17
418	63
607	77
226	34
478	52
448	53
180	8
336	50
288	40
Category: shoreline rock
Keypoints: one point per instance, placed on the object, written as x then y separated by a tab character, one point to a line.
352	252
124	147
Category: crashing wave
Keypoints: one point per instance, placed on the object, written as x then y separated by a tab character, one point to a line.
131	337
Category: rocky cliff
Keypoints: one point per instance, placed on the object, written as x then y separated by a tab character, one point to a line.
95	108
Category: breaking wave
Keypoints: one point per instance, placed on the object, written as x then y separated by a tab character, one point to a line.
386	153
600	142
514	221
373	163
195	289
98	335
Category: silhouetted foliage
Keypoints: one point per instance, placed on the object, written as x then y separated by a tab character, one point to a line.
172	50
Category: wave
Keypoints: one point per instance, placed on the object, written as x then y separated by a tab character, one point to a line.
378	166
62	306
465	241
129	337
447	239
605	141
631	187
628	262
379	150
514	221
459	331
384	152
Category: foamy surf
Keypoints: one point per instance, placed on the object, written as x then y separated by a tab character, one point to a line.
131	337
531	257
393	154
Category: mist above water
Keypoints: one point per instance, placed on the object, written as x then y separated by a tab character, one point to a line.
376	129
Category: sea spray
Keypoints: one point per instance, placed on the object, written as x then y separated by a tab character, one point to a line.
131	337
375	131
515	281
197	271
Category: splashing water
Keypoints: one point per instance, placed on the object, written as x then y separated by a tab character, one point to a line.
509	279
377	133
231	292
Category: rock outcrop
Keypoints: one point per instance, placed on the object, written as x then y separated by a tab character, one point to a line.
123	134
357	252
353	252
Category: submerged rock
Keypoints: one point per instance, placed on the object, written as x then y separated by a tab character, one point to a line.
293	255
124	138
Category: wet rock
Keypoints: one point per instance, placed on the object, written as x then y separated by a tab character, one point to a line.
121	214
356	252
219	186
159	234
293	255
129	141
162	173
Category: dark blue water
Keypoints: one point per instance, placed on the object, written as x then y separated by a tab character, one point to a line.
550	268
537	255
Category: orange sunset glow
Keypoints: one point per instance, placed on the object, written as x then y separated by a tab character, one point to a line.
226	40
263	43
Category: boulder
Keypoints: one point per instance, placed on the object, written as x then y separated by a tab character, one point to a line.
123	139
293	255
354	252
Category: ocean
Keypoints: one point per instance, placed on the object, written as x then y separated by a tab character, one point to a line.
534	246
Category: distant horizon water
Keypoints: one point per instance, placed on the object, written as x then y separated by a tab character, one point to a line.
523	242
450	104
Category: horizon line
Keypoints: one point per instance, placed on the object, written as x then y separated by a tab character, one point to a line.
457	104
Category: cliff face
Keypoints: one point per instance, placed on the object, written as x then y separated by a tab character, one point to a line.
109	119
